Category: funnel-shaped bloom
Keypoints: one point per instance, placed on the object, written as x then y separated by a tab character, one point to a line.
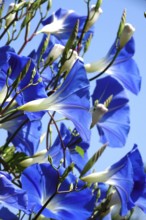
70	100
124	67
42	186
110	128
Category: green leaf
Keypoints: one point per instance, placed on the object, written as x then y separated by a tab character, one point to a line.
93	160
79	150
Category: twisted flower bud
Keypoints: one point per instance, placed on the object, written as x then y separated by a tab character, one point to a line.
126	35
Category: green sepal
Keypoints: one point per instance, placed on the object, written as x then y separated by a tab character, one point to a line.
36	4
66	172
103	208
1	11
98	3
93	160
49	5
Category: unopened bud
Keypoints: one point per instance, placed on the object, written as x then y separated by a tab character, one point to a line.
126	35
97	65
71	59
49	5
10	17
13	7
103	176
56	51
97	112
93	16
96	177
40	157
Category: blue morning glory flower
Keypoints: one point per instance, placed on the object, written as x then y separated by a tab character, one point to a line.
124	67
106	118
128	178
62	22
70	100
10	194
42	185
72	144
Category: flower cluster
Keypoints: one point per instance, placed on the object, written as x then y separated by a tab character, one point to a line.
50	175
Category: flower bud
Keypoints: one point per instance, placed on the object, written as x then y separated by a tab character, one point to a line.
11	17
3	93
39	157
126	35
96	177
103	176
13	7
56	51
49	5
93	16
97	65
71	59
97	112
